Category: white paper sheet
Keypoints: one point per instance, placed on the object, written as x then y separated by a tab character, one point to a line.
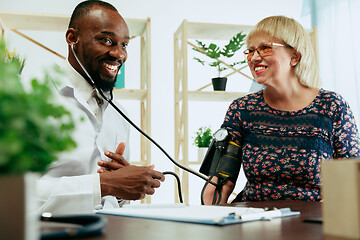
217	215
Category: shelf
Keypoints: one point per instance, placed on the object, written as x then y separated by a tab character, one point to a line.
211	96
215	96
54	22
183	95
33	21
196	30
131	94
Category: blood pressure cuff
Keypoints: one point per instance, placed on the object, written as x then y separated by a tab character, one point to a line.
230	163
223	164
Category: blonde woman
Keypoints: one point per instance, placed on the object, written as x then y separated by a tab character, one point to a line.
288	128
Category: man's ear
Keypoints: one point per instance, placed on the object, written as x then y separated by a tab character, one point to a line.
295	58
71	36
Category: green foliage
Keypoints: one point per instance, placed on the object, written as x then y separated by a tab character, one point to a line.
213	51
33	130
203	137
7	56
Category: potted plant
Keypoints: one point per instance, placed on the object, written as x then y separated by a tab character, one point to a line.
216	53
202	139
32	131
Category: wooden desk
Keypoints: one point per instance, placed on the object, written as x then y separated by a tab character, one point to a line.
290	228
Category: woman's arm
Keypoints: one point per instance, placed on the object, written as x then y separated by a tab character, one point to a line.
226	190
232	124
346	137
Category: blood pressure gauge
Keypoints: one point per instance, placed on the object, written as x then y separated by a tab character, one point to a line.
221	135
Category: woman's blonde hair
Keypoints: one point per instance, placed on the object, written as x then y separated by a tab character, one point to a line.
293	34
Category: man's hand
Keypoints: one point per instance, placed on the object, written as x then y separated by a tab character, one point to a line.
130	182
117	160
120	179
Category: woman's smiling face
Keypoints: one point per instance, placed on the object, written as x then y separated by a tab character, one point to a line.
273	67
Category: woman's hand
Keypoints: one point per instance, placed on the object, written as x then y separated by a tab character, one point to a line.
226	190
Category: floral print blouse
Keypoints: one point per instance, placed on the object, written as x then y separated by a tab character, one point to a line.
282	150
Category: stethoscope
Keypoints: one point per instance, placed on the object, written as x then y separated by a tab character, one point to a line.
109	100
91	225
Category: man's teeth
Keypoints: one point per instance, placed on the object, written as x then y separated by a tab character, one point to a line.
259	68
111	67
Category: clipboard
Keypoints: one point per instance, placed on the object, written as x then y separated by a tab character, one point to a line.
210	215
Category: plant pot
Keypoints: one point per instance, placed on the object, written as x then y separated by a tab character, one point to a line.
201	153
219	83
19	207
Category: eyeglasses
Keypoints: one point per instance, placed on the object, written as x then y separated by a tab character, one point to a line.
263	50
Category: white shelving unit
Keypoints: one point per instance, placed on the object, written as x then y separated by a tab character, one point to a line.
19	21
183	95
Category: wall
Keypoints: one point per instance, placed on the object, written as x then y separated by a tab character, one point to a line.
166	16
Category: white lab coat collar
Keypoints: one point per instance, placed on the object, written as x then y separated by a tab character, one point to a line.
76	86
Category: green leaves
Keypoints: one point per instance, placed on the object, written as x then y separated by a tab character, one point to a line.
234	45
199	60
11	57
212	51
215	52
33	129
203	137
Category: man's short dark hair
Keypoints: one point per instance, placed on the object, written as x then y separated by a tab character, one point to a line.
83	8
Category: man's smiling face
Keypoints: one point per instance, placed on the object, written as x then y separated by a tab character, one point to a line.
102	40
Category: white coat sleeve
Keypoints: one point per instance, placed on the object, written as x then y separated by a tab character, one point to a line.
67	195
